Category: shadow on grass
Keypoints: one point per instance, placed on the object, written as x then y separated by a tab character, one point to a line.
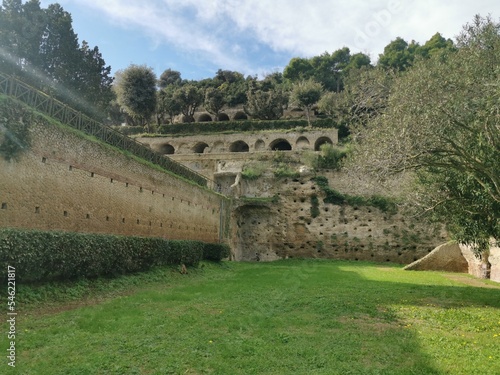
286	317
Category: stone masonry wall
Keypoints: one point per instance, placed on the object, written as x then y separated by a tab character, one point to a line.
66	182
286	228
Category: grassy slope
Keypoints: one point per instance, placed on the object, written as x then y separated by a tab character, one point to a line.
286	317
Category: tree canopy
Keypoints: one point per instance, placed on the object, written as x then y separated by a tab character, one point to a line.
441	125
136	92
41	46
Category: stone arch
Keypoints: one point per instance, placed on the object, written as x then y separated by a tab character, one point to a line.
164	148
260	145
240	115
239	146
302	142
321	141
199	148
218	146
222	117
280	144
204	117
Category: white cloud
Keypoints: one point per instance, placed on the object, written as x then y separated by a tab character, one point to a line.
217	29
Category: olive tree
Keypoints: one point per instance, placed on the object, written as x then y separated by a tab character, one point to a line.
306	94
442	125
136	92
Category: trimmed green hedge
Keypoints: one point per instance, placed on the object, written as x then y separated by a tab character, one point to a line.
44	255
241	126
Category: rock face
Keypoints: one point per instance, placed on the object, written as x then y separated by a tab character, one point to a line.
477	267
494	260
297	223
447	257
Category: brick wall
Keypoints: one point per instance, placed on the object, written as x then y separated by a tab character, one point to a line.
69	182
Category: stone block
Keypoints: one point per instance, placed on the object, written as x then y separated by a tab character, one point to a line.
446	257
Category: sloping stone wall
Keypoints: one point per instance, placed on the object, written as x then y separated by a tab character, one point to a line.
69	182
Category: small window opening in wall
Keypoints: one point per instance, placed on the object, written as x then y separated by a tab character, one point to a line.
140	189
161	225
70	167
65	213
37	210
111	180
91	174
123	220
44	160
163	195
138	221
152	191
107	218
172	198
126	184
87	216
4	206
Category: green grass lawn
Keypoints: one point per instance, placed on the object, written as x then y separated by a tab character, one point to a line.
285	317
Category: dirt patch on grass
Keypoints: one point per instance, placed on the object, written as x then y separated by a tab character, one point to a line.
471	281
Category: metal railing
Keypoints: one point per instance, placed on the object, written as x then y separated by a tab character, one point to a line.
54	108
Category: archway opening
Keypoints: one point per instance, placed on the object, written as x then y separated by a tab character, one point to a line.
239	146
320	142
204	117
200	147
240	116
166	149
222	117
280	145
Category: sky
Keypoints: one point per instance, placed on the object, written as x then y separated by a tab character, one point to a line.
257	37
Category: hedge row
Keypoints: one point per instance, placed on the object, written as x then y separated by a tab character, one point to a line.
43	255
241	126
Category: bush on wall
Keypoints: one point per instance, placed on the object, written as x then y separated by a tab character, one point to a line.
43	255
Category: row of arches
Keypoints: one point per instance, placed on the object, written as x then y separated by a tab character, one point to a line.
206	117
280	144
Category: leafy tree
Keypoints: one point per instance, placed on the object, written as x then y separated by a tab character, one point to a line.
436	44
398	55
265	105
232	85
442	127
41	46
328	69
189	98
298	69
167	104
136	91
306	94
214	101
169	77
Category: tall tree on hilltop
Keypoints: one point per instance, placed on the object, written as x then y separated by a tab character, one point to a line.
136	91
169	77
306	94
215	101
189	98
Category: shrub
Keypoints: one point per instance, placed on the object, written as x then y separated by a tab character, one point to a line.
44	255
336	197
330	157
